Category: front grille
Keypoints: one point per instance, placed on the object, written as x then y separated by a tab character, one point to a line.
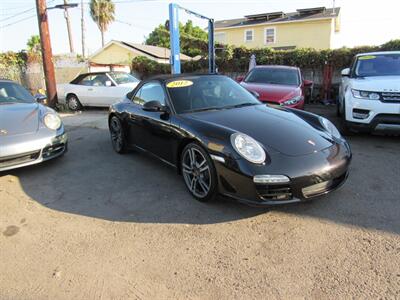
392	97
274	192
19	159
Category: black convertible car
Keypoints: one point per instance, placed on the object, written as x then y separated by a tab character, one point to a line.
223	140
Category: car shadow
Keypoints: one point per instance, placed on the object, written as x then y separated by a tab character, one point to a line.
93	181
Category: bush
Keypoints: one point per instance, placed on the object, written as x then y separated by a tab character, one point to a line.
231	59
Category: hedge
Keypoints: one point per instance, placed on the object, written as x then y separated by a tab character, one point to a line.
232	59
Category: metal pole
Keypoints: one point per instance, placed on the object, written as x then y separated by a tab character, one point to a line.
174	39
83	29
211	47
66	16
47	55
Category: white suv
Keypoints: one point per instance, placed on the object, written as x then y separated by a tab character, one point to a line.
369	95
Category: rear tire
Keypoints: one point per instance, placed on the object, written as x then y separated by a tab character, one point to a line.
117	134
199	173
73	102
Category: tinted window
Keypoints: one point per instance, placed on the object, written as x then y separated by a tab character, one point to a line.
196	93
14	93
274	76
121	78
378	65
152	91
95	80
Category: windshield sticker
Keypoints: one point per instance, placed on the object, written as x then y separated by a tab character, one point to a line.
179	83
366	57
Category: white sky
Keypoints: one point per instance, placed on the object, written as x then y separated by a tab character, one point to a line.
363	22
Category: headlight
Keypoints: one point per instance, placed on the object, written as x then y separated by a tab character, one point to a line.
248	148
52	121
293	101
365	95
328	125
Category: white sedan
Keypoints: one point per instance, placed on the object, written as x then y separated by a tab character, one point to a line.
96	89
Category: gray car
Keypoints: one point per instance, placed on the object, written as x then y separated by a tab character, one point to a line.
29	131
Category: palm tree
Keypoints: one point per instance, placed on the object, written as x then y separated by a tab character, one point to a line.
102	13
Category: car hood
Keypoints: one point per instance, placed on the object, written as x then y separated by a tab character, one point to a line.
19	118
377	83
279	129
273	92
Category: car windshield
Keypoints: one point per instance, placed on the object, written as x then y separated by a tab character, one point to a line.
198	93
11	92
273	76
121	78
378	65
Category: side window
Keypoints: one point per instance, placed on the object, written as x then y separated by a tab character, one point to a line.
150	92
87	80
100	80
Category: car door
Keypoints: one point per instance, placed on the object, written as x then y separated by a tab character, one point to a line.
151	131
101	90
82	89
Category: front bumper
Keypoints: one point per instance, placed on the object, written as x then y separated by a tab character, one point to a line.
34	151
372	115
310	176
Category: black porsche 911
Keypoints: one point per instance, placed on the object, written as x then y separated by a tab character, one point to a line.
224	141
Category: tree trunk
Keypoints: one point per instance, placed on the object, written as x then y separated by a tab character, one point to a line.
102	38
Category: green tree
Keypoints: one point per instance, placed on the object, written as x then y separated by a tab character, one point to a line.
33	44
103	14
193	38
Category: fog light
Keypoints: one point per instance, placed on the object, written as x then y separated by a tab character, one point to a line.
271	179
360	113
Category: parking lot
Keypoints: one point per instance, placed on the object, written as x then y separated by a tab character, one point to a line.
98	225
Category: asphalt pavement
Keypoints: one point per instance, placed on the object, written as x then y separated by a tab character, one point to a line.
98	225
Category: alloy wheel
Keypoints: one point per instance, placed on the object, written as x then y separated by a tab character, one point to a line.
73	103
116	134
196	172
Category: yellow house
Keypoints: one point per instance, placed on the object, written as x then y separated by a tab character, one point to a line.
306	28
118	55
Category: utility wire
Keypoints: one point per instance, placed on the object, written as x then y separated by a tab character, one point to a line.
21	13
16	15
19	21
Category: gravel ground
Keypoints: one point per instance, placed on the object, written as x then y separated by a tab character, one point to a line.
97	225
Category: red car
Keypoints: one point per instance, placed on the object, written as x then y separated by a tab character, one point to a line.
279	85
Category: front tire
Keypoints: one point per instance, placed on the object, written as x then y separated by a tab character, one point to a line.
198	173
118	140
346	128
73	102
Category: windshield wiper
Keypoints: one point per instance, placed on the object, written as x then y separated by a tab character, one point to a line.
241	105
205	109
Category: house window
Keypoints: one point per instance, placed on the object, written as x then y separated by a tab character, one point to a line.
270	35
220	37
248	35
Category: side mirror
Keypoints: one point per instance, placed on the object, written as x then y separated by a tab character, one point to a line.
155	106
239	78
40	98
255	94
108	83
307	83
346	72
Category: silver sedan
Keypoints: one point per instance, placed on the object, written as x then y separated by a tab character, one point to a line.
29	131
